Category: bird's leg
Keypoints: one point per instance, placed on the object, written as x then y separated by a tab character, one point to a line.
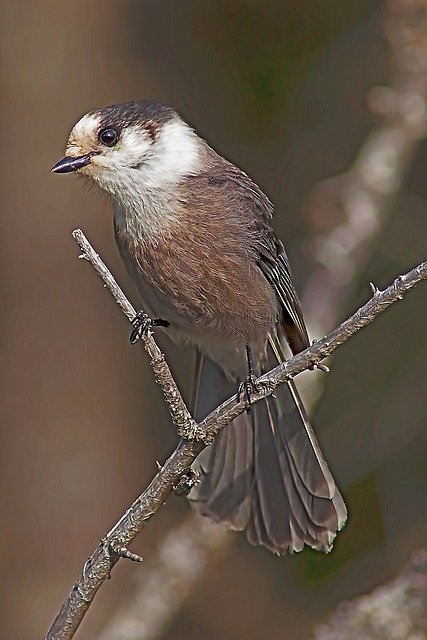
187	481
142	323
248	386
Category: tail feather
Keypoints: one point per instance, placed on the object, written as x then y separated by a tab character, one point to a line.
274	504
256	528
218	467
265	473
302	443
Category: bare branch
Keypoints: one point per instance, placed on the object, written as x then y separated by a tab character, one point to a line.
98	567
181	417
318	351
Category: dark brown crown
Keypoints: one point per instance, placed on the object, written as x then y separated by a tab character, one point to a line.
148	114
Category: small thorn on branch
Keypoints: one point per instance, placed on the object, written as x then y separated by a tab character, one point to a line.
400	282
317	364
86	566
374	289
125	553
322	367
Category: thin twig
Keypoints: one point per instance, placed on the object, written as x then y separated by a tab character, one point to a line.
99	566
181	417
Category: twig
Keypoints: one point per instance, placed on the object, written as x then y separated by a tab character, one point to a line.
181	417
98	567
318	351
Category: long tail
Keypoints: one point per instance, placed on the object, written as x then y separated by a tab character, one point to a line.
265	474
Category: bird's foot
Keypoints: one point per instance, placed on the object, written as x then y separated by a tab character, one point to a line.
142	323
247	388
249	384
186	482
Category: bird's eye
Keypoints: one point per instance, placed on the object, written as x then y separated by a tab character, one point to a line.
109	137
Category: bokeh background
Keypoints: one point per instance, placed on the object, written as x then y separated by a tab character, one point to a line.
322	102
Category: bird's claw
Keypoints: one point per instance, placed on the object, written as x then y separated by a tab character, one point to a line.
247	388
187	481
143	323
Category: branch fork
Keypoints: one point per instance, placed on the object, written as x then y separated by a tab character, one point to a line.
194	436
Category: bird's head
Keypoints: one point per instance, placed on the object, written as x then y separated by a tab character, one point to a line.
132	148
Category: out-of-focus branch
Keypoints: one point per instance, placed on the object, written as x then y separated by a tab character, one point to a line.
395	610
167	580
97	569
346	212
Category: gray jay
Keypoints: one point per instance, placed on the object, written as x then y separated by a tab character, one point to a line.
195	234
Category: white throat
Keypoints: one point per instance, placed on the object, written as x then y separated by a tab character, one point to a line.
145	186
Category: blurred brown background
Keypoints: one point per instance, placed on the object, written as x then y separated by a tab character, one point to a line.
281	88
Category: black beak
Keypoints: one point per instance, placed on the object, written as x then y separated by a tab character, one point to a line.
68	164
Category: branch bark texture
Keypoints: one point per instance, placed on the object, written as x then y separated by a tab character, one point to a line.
196	436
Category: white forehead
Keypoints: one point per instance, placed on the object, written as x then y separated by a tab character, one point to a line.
84	130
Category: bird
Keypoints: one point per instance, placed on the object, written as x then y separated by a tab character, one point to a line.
195	234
